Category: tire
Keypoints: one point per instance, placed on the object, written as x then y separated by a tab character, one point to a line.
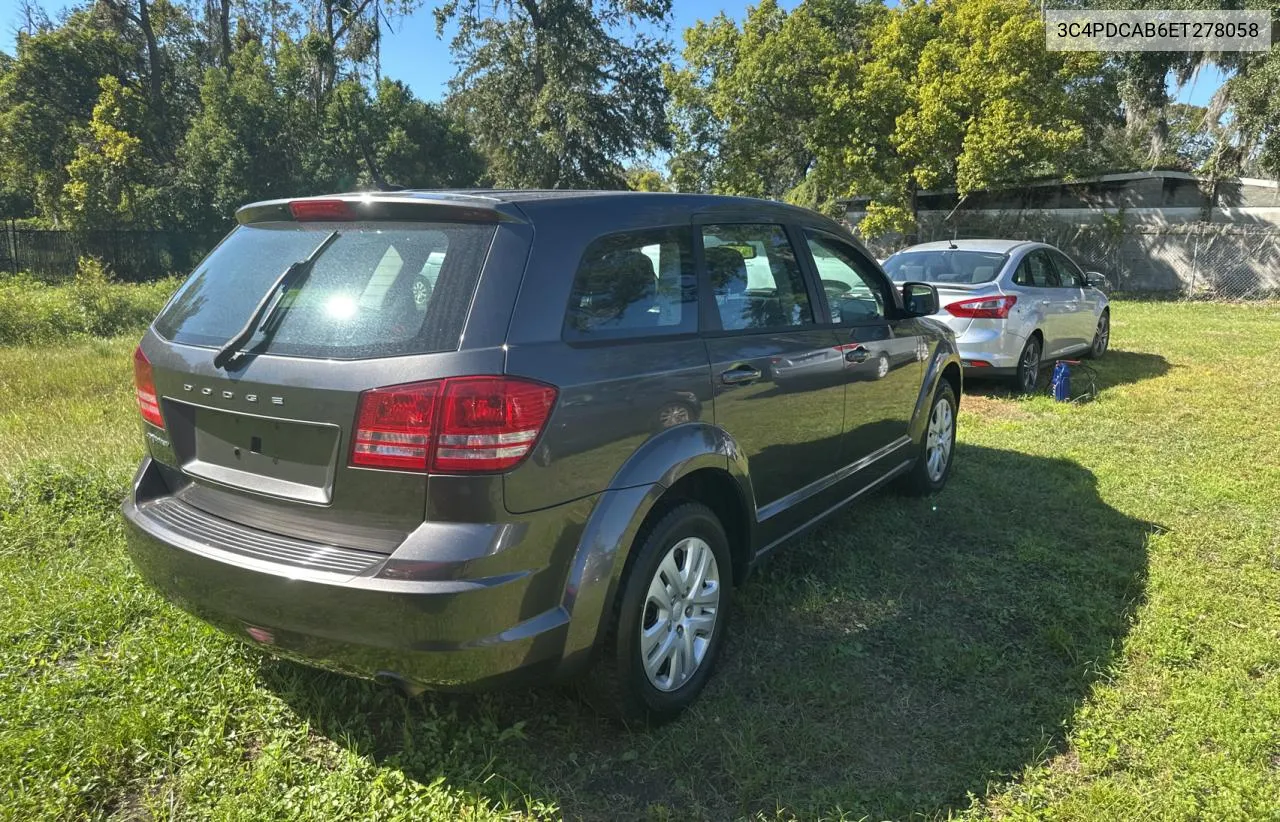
1101	336
1028	372
926	476
623	685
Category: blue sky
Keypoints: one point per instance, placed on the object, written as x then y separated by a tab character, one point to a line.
413	53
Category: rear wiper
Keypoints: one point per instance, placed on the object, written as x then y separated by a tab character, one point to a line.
293	275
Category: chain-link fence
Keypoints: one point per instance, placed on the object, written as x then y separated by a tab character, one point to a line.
131	256
1199	260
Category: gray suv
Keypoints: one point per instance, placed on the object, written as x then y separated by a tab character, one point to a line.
605	411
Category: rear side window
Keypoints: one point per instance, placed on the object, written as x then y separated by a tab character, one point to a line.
378	290
634	284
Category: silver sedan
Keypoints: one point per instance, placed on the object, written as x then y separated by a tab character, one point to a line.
1012	305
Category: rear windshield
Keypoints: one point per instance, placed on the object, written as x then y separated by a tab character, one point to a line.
945	266
379	289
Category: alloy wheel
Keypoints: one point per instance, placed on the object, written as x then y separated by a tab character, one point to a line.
939	439
680	612
882	367
1102	338
1030	366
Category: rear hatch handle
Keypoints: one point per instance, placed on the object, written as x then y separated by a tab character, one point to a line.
293	275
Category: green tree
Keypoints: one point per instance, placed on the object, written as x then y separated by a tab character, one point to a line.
48	91
645	178
750	106
110	181
554	92
974	98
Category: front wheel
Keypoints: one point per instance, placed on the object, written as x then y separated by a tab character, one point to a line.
671	617
933	466
1101	337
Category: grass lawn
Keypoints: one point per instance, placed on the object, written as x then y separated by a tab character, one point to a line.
1084	625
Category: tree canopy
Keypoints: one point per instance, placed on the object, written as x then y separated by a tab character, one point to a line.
171	113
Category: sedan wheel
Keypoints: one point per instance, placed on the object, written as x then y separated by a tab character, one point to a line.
882	367
680	614
1101	337
1028	367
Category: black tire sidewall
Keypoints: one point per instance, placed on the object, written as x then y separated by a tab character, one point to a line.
644	700
1020	375
1094	353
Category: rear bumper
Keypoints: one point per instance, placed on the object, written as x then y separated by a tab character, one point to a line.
990	342
450	631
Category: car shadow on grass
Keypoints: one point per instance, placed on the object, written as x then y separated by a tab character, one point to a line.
1116	368
901	657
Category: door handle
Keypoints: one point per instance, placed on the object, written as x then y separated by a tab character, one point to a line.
1044	302
857	354
741	375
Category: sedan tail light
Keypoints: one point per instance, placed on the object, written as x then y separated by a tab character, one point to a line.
989	308
144	386
458	425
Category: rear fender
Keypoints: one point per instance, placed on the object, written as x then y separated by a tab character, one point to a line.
601	558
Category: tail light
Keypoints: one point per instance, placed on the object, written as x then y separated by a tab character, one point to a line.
988	308
457	425
144	386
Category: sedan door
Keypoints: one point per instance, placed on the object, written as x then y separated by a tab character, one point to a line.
779	380
1082	311
1036	279
882	352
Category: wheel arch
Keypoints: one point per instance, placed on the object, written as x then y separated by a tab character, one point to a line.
698	462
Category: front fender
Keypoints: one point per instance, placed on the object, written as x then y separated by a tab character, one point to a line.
944	353
601	557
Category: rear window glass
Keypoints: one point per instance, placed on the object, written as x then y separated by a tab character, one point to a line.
634	284
379	289
947	266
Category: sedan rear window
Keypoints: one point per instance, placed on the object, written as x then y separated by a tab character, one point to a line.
379	289
945	266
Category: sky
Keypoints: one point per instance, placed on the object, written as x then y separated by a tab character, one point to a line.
415	55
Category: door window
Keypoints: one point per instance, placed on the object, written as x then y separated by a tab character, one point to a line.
1069	274
755	277
1036	271
855	291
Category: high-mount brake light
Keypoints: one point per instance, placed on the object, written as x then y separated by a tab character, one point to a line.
988	308
458	425
321	210
144	386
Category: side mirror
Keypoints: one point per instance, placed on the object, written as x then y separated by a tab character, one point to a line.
919	299
1095	280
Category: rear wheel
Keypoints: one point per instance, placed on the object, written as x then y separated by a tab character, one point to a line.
1028	373
1101	336
671	618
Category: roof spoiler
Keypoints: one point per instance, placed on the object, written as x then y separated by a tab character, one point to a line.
398	206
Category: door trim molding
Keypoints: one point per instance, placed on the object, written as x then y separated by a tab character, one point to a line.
818	486
894	472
